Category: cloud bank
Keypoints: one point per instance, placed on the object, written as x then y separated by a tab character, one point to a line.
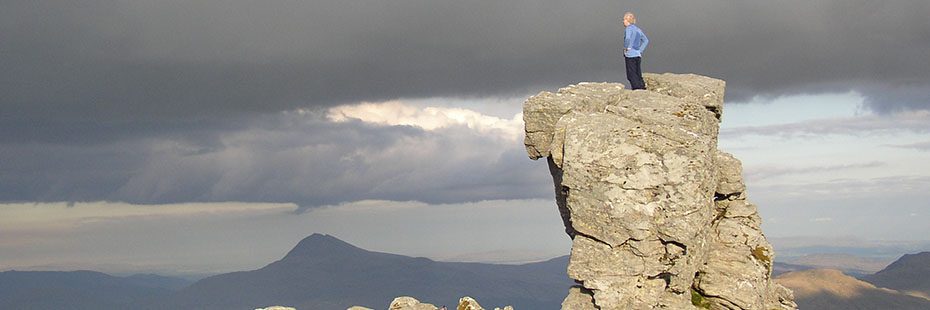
386	151
180	101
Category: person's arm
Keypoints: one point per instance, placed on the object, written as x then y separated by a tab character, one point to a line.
627	39
642	48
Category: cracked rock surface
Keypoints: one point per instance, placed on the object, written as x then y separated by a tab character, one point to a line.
658	216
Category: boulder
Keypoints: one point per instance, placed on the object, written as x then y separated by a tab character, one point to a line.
409	303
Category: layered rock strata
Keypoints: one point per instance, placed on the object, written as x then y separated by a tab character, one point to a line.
657	214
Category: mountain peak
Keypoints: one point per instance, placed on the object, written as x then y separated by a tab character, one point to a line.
907	274
321	244
919	260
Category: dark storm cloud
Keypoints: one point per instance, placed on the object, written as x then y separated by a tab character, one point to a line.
100	59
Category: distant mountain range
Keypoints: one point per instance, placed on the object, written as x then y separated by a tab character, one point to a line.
323	272
780	268
81	290
853	265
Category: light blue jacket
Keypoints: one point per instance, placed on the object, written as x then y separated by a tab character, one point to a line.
635	40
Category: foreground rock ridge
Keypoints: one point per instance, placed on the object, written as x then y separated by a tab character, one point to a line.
410	303
658	216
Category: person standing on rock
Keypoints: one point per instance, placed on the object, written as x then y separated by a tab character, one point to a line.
634	43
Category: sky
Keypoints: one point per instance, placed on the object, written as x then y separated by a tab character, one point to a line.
199	137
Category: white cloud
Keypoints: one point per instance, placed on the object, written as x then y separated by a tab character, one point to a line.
758	173
394	113
919	146
910	121
304	157
845	188
363	206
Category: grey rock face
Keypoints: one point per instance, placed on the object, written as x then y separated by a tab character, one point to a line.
692	87
578	298
658	216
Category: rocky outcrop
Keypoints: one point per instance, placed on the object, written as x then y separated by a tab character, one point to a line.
658	216
410	303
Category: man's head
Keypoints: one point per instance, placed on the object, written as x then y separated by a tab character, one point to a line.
628	19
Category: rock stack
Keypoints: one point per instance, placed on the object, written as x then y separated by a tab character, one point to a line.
657	214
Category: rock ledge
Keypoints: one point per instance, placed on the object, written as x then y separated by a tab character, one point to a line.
658	215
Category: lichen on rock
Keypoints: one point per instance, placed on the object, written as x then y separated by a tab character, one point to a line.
656	212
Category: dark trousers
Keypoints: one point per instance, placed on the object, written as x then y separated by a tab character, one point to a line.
634	72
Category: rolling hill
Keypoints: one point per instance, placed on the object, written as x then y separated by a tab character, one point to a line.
827	289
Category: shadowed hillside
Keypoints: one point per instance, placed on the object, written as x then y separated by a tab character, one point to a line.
826	289
78	290
909	274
